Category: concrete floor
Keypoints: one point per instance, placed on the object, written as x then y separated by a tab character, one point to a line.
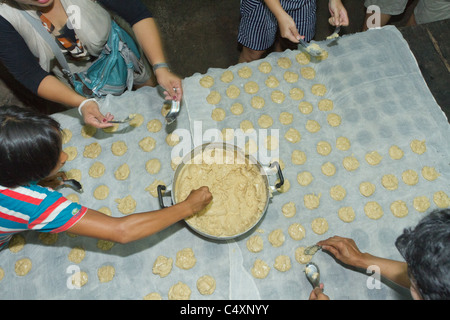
196	35
204	36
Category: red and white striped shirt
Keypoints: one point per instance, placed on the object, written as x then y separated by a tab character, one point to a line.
35	208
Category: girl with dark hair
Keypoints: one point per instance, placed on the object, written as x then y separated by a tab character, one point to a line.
31	150
30	146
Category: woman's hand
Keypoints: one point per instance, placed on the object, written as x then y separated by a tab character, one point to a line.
288	28
51	88
92	115
171	83
339	16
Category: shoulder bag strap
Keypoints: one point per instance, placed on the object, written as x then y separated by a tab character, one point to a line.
51	41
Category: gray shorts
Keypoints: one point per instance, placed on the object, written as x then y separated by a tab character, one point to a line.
425	11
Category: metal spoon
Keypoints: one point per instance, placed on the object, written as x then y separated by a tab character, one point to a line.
312	249
313	274
71	183
127	119
310	48
335	34
175	107
174	111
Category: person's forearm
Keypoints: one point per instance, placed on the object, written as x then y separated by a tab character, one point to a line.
339	15
335	1
395	271
132	11
132	227
346	250
147	35
51	88
138	226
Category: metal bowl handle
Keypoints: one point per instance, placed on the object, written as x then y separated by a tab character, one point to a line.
160	190
280	174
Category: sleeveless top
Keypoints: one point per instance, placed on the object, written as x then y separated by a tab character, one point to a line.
91	22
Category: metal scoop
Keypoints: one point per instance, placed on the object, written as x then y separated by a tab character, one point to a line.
71	183
174	111
311	49
127	119
312	249
313	274
335	34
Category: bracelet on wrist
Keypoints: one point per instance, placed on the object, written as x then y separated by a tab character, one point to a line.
83	103
157	66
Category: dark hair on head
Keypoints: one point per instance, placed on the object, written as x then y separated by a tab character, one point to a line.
426	250
30	145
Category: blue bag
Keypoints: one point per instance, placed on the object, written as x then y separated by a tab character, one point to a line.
111	73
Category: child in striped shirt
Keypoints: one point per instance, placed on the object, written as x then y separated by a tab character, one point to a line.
31	150
271	22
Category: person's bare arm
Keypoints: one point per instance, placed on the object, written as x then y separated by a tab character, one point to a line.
148	36
51	88
139	225
54	90
346	251
339	15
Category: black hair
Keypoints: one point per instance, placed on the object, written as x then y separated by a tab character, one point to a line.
30	145
426	250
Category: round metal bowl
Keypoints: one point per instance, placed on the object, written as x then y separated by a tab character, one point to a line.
229	147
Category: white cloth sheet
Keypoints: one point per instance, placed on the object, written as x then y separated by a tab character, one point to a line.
382	99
